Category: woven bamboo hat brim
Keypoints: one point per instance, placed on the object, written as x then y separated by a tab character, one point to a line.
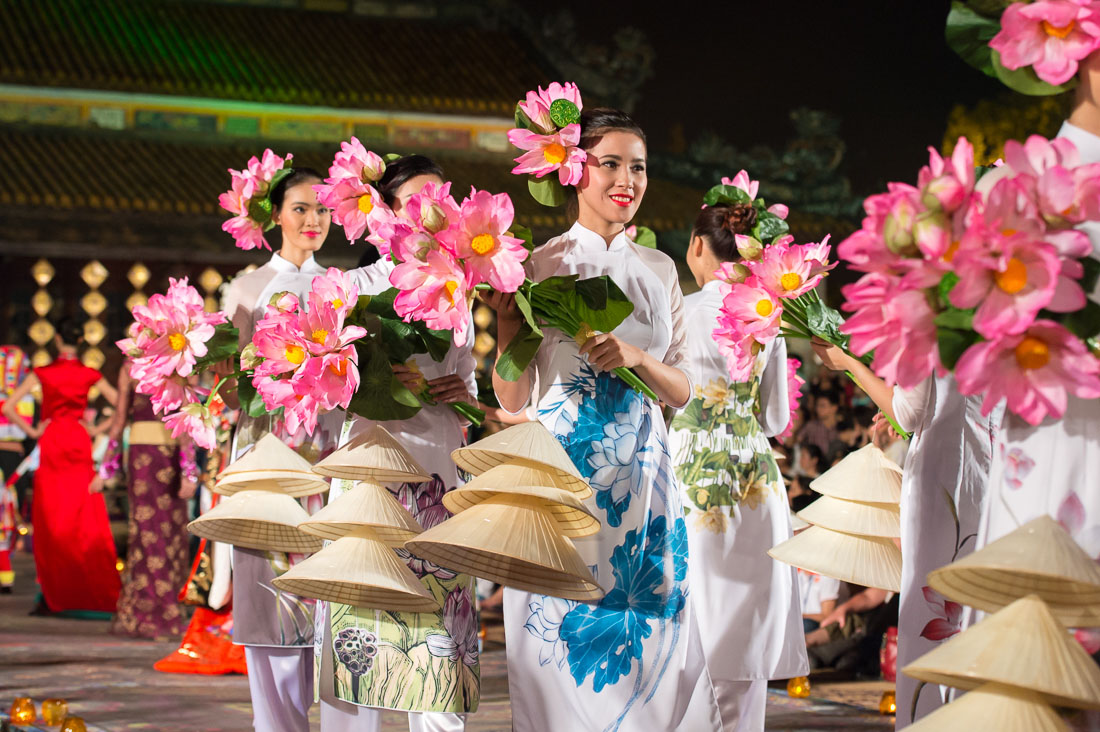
512	540
1023	646
572	517
359	570
798	524
993	707
269	459
257	519
528	444
374	455
367	504
854	517
864	475
1038	558
870	561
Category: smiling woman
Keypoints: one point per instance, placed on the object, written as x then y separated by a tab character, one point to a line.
633	659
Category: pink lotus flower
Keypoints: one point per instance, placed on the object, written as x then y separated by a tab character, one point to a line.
897	324
731	272
383	227
1051	36
336	291
264	169
1067	192
737	346
166	394
755	308
412	244
352	202
197	422
481	241
295	397
1009	282
1032	371
751	187
356	162
241	190
280	343
949	616
433	291
433	209
246	232
946	184
557	151
794	395
790	270
537	104
178	329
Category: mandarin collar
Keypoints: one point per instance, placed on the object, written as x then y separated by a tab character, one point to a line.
283	265
713	286
1088	144
589	240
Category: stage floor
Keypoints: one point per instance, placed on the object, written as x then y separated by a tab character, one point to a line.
110	682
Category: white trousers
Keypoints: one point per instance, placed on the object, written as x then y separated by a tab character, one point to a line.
742	704
281	683
339	716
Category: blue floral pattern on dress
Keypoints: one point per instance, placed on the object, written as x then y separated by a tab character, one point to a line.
611	455
545	622
605	639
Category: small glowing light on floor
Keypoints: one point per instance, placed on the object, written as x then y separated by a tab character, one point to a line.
120	565
73	724
798	687
23	531
22	710
888	704
54	711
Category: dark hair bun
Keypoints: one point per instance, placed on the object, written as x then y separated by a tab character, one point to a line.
740	218
70	331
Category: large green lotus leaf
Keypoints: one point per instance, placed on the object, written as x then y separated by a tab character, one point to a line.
221	346
381	395
547	190
517	356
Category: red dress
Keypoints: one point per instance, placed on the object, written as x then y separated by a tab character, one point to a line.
74	553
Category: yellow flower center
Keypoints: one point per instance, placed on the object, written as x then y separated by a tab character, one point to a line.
177	341
764	308
295	353
451	286
1008	232
554	153
1014	278
483	243
1058	31
337	304
340	367
790	281
1032	353
366	205
949	255
319	335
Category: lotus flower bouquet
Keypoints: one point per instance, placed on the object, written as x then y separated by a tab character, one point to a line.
172	340
985	278
1032	47
248	199
444	251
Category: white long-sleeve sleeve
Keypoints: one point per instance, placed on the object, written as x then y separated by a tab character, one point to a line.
775	408
910	404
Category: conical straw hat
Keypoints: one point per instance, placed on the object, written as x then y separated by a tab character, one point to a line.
993	707
1023	646
359	570
374	455
512	540
572	517
854	517
367	504
864	475
528	444
269	459
1038	558
257	519
798	524
870	561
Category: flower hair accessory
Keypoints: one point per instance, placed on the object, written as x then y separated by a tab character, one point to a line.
548	130
1032	47
249	199
767	224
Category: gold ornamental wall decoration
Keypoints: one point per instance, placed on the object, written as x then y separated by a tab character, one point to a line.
94	274
210	280
41	331
138	276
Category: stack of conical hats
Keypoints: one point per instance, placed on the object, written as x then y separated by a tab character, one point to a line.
1021	659
512	524
360	566
853	524
260	511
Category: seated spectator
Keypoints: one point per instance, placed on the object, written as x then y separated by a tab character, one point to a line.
818	595
851	635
